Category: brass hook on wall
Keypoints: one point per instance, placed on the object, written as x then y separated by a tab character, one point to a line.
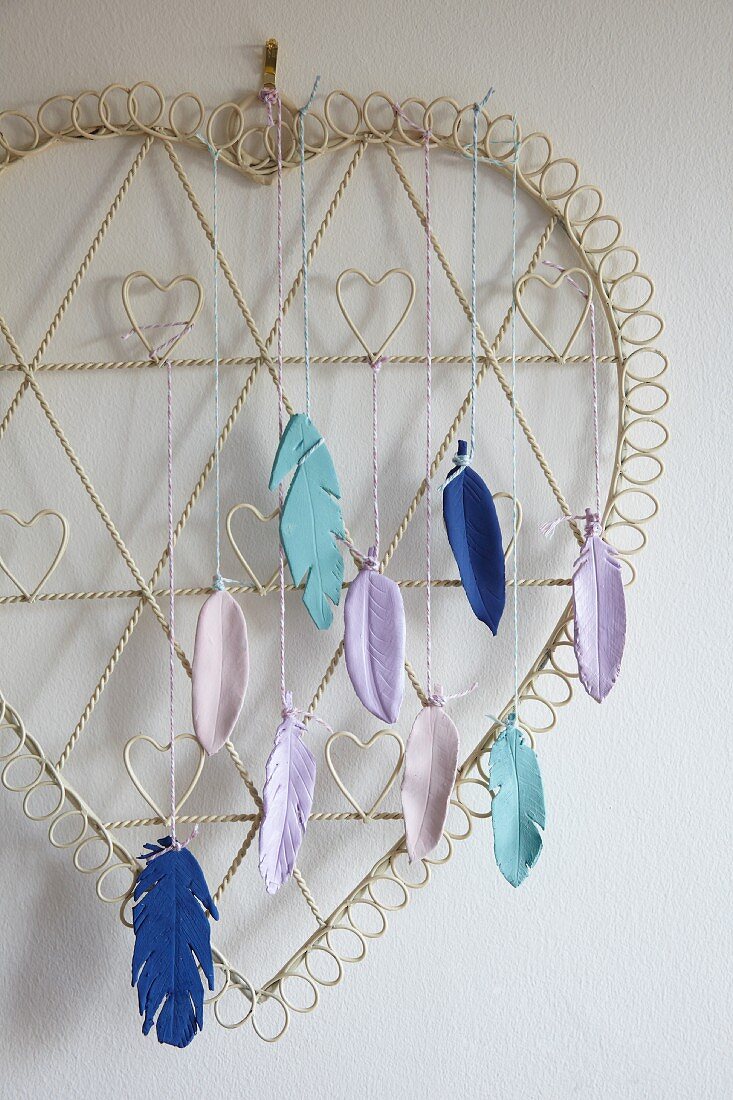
269	78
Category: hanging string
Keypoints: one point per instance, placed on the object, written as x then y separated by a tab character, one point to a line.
373	555
428	417
594	375
271	97
218	582
180	329
304	243
592	521
435	696
477	108
515	570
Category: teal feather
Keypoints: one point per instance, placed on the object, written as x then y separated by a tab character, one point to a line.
311	519
518	806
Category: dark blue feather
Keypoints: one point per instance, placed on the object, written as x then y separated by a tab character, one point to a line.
172	939
475	538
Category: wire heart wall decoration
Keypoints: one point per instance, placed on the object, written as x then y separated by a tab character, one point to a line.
27	592
623	294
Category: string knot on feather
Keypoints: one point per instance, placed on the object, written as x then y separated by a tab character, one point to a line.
370	559
592	521
438	698
300	717
175	845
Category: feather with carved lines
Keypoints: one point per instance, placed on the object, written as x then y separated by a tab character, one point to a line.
290	778
599	612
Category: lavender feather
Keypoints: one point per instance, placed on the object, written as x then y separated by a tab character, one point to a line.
431	760
600	612
374	643
290	777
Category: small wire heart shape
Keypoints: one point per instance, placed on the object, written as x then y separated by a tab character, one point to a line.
365	815
393	272
262	589
135	779
31	595
549	284
164	288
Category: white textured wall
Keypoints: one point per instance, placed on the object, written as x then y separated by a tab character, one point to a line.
608	975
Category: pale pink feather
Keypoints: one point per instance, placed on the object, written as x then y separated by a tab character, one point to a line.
431	760
220	670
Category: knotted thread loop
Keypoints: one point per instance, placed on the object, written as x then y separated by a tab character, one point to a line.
437	697
269	97
592	521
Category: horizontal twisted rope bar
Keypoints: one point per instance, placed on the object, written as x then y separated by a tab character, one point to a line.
230	819
250	590
298	360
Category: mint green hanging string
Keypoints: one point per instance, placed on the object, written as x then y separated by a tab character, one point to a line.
304	243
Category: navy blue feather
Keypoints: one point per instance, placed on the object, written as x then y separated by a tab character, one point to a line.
172	939
475	538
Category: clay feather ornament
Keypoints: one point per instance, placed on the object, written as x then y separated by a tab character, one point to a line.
290	778
220	670
172	940
431	762
599	611
311	519
518	805
474	535
374	641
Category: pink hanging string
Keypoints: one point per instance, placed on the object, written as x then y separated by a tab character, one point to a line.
180	329
435	696
370	560
271	98
376	366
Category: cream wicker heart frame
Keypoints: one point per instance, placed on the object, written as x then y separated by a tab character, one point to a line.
246	146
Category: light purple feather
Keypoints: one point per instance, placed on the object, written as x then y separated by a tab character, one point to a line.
431	760
374	643
290	778
220	670
600	612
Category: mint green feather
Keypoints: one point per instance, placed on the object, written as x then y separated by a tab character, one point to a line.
518	806
311	520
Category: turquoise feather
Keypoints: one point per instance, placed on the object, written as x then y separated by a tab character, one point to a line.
311	520
518	807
